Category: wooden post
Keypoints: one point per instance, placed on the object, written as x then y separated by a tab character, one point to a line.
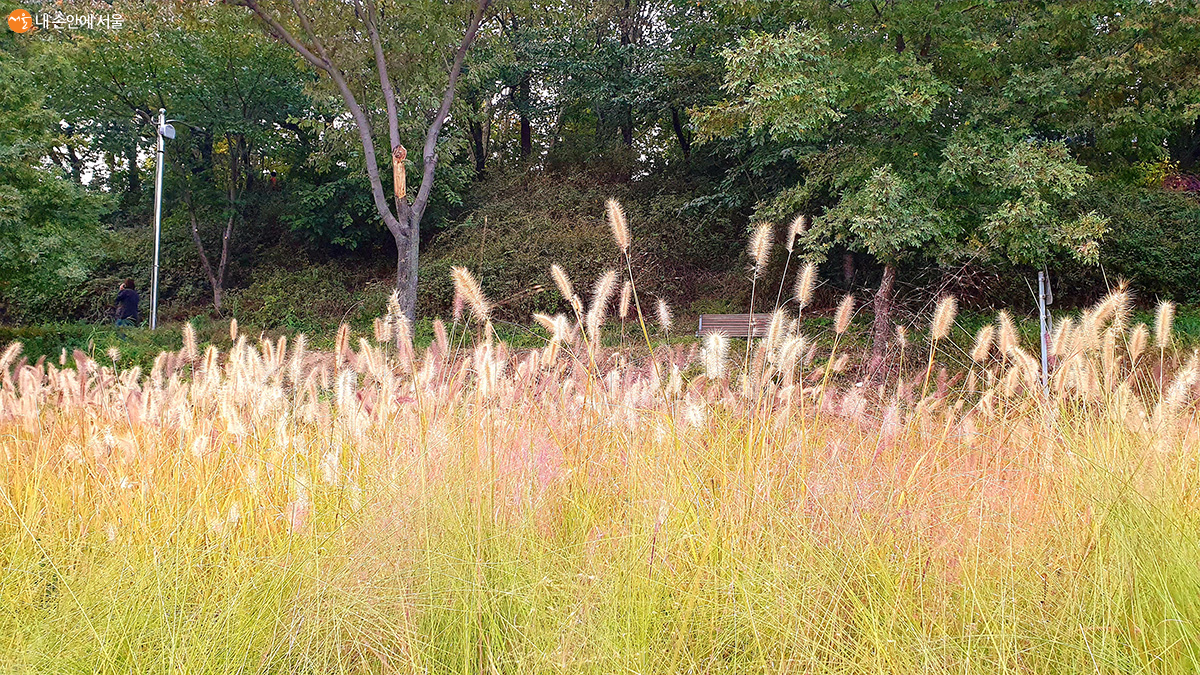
398	155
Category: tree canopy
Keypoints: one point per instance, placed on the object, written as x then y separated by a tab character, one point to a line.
914	136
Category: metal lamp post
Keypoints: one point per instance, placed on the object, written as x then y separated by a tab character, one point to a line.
164	131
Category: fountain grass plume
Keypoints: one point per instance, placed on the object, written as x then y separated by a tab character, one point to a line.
665	318
943	320
618	224
468	288
601	295
983	343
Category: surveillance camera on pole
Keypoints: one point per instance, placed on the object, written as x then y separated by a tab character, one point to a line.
164	130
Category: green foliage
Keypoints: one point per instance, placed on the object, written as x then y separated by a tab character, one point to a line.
311	299
899	141
885	217
784	85
1154	239
50	234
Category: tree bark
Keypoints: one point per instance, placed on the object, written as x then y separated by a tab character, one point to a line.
685	143
133	186
882	328
404	223
480	155
848	269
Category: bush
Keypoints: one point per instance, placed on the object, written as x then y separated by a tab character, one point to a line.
1153	240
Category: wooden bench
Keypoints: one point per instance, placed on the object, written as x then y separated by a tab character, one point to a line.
735	325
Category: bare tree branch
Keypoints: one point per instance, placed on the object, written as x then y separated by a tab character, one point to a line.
282	33
431	138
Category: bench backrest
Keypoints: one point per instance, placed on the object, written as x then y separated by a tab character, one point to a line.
735	325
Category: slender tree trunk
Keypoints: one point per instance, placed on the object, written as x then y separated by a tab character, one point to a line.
685	143
882	328
216	279
133	185
523	104
848	269
627	125
409	290
477	148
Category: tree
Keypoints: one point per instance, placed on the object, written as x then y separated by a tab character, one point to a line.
50	232
295	26
234	98
917	130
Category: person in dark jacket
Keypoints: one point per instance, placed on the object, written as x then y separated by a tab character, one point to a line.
127	304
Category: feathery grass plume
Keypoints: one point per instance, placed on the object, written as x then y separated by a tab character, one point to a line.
805	284
10	354
943	317
441	340
341	345
211	364
844	313
558	326
626	296
114	354
716	349
382	329
1114	307
190	351
618	224
1062	336
404	341
546	321
296	366
902	336
1108	356
1138	338
1087	336
1164	319
466	286
795	229
562	281
233	329
790	353
776	331
393	305
1008	333
983	343
1175	397
601	295
760	246
665	318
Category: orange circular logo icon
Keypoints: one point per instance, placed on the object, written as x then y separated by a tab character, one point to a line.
19	21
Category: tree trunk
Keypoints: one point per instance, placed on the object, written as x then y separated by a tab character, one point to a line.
685	144
404	225
627	125
477	148
523	103
407	249
848	269
882	328
133	186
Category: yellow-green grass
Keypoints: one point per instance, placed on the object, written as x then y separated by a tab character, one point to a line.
476	509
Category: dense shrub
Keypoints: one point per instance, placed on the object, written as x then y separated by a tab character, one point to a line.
1154	239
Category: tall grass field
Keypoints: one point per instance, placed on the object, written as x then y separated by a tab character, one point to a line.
607	503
